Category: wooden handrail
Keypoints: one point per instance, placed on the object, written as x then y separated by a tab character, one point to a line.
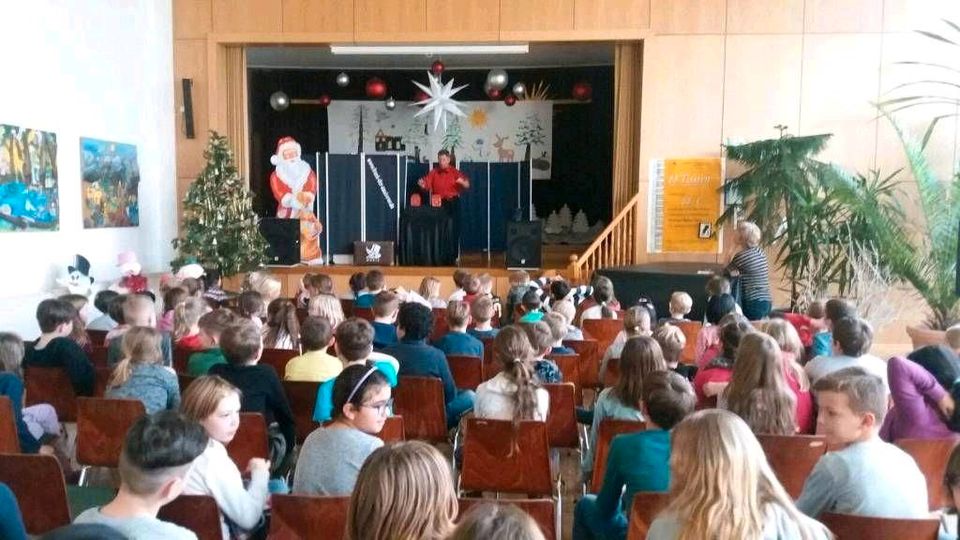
615	245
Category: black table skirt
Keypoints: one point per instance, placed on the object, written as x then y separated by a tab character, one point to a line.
427	237
657	281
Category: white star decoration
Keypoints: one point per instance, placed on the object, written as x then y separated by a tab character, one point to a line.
440	101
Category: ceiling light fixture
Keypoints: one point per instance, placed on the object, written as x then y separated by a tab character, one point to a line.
520	48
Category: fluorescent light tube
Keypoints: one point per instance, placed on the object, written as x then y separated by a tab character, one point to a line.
522	48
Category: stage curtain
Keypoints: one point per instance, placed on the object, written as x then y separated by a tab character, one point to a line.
235	96
628	72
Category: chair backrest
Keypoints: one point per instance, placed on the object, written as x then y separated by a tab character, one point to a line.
589	351
98	356
9	440
612	375
37	482
393	430
347	305
543	511
690	329
569	365
792	457
420	401
51	385
850	527
498	456
363	313
181	357
931	456
304	516
562	419
302	396
490	365
609	428
183	381
97	337
102	425
440	326
198	513
101	376
644	508
602	330
278	358
467	371
250	440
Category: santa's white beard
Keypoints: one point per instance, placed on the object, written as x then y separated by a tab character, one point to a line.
293	173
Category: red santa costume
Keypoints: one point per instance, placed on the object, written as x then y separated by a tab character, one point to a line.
294	186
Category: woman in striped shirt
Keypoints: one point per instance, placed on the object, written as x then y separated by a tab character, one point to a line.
751	263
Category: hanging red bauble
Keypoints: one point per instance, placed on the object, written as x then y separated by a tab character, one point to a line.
376	88
324	100
582	91
510	100
437	67
420	96
494	93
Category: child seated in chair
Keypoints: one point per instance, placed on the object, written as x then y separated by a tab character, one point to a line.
37	424
186	324
55	349
157	453
569	312
212	325
672	342
680	306
375	284
481	311
529	309
636	322
457	341
102	302
852	338
282	330
558	331
430	291
141	374
459	278
138	310
515	392
541	340
385	307
250	306
315	364
173	297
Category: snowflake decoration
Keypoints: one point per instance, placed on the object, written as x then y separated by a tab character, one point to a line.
440	101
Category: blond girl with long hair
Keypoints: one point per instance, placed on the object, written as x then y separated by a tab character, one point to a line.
791	348
758	391
328	307
430	291
282	330
186	323
404	492
141	374
513	394
723	488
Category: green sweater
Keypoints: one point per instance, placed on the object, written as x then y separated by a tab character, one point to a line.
201	362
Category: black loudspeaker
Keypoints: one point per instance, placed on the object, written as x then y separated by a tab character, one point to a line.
188	108
283	239
524	241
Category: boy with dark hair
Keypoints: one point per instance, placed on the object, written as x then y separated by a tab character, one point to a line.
315	364
459	278
102	302
212	325
55	349
834	310
211	284
861	475
529	308
541	339
385	307
852	338
637	461
481	311
457	340
375	283
260	387
157	453
419	359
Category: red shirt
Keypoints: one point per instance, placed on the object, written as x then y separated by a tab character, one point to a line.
443	182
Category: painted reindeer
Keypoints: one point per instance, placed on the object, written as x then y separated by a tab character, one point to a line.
505	154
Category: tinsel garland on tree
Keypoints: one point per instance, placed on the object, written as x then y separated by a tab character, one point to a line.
219	228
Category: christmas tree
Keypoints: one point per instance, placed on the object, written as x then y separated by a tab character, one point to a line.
580	224
529	132
452	138
219	227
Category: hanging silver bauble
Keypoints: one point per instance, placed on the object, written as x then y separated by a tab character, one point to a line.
520	90
497	78
390	103
279	101
343	79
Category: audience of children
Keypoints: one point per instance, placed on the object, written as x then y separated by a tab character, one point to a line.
636	322
852	338
331	456
604	304
514	393
375	283
385	307
250	306
712	378
171	299
282	330
212	325
54	348
315	364
430	291
481	311
834	310
718	307
529	309
758	390
36	424
672	342
102	301
141	374
457	340
459	278
569	312
328	307
680	305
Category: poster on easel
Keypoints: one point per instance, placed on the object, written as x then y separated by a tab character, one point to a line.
685	202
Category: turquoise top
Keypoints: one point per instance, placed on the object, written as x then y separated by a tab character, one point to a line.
637	462
323	410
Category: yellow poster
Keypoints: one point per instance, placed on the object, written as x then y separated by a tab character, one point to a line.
691	205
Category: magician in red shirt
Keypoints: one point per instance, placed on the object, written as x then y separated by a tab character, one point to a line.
447	183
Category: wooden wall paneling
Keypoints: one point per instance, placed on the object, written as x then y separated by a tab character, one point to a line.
392	20
910	15
850	16
536	19
611	14
319	16
761	85
687	16
463	20
238	16
192	19
764	17
840	81
190	62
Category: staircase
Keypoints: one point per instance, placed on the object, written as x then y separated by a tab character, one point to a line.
618	245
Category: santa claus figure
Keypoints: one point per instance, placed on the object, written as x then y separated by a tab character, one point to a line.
132	281
294	186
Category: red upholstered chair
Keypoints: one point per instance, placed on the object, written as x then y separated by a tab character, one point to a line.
181	357
347	305
278	358
602	330
467	371
302	396
420	401
102	425
644	508
101	378
199	513
9	440
543	511
569	365
98	356
440	327
849	527
51	385
590	355
562	424
37	482
98	338
931	456
293	517
609	429
690	329
612	376
491	366
250	440
393	430
792	457
363	313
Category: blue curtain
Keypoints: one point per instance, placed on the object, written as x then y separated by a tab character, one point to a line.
381	206
474	207
339	200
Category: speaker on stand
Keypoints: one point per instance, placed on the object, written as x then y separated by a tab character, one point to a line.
524	244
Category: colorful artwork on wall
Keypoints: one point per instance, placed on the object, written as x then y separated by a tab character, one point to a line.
29	190
111	183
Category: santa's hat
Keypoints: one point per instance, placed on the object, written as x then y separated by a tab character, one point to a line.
283	144
127	258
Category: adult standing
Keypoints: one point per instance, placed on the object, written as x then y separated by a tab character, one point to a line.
751	264
446	182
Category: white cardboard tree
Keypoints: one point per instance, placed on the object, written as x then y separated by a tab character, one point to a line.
566	218
580	225
553	224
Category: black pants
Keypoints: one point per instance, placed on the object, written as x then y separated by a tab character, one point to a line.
452	207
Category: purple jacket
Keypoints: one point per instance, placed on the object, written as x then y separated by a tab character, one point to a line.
915	393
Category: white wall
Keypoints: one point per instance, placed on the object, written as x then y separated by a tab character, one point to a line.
93	68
